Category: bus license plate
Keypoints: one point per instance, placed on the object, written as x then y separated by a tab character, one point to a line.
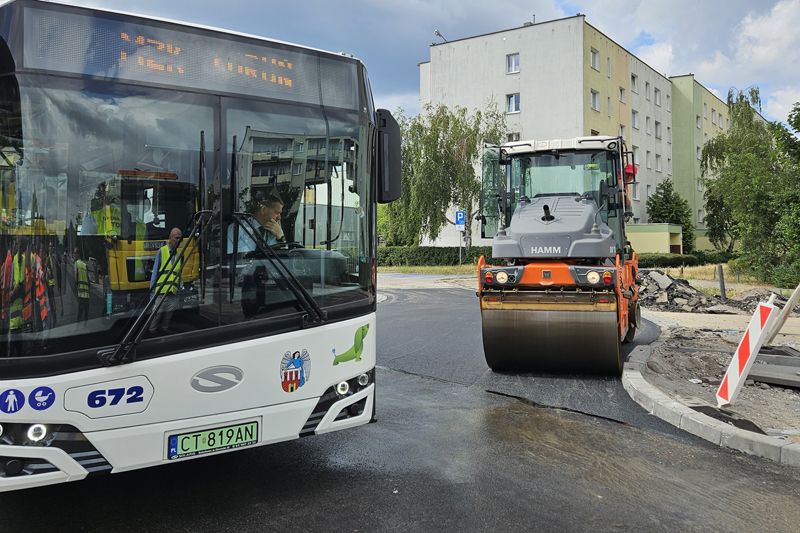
212	440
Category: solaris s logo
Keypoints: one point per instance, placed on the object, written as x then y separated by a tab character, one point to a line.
217	379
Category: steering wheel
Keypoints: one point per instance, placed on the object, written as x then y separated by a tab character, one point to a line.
288	245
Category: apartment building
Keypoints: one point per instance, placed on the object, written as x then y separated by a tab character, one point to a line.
699	116
558	79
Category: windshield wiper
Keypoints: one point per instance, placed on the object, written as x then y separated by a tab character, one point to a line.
314	312
125	351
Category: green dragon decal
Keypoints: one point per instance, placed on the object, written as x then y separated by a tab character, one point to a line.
354	353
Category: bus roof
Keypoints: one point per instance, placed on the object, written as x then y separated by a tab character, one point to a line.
192	25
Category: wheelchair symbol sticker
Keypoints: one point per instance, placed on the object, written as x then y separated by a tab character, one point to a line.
42	398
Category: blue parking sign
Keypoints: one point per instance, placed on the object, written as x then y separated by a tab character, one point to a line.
460	217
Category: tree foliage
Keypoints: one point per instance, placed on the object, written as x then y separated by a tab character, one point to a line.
440	151
752	180
667	206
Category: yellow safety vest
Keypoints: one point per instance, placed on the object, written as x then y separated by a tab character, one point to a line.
108	220
82	279
167	283
20	278
51	274
138	262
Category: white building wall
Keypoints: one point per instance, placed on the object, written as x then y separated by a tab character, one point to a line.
645	142
424	82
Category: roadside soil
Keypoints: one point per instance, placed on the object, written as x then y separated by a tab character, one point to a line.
686	353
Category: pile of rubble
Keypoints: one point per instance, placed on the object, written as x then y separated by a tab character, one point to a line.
663	293
659	291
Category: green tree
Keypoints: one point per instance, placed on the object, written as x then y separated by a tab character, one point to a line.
667	206
722	231
440	151
750	172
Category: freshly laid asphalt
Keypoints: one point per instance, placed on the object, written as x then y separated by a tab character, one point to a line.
456	448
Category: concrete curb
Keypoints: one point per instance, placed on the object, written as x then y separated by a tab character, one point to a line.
657	403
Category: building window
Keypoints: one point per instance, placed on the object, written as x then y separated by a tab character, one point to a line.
713	116
621	94
700	185
649	190
701	216
705	110
595	57
608	64
647	90
297	168
721	121
636	155
299	147
669	104
634	83
658	130
512	63
699	152
512	103
595	100
608	101
705	138
635	191
697	121
669	166
647	160
635	119
657	96
622	130
669	134
512	137
658	163
647	125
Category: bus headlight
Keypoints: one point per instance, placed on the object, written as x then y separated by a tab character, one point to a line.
363	380
37	432
342	388
1	430
501	277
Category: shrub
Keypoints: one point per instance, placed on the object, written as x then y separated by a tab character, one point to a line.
667	260
448	255
429	255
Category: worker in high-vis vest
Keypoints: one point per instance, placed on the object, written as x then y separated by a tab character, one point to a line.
42	315
166	280
6	272
20	312
82	287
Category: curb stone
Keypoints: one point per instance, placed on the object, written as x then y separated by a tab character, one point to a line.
659	404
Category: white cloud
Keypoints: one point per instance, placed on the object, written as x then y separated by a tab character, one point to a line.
659	56
780	101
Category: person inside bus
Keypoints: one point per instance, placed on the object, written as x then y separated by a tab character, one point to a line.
266	210
166	280
105	217
82	286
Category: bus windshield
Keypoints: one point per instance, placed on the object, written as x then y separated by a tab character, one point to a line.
95	176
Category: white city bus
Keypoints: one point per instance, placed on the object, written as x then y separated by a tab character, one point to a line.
115	129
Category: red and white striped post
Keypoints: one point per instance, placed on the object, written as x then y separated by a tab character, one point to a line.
746	353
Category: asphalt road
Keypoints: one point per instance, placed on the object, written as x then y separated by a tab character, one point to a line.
452	451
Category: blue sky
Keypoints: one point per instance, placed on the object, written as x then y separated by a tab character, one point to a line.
725	43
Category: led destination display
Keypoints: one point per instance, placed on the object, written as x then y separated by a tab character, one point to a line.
117	49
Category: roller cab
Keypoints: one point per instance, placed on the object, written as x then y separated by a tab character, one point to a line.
561	295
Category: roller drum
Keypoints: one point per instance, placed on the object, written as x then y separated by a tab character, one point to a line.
552	338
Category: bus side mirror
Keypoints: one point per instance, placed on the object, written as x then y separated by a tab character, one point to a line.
388	157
